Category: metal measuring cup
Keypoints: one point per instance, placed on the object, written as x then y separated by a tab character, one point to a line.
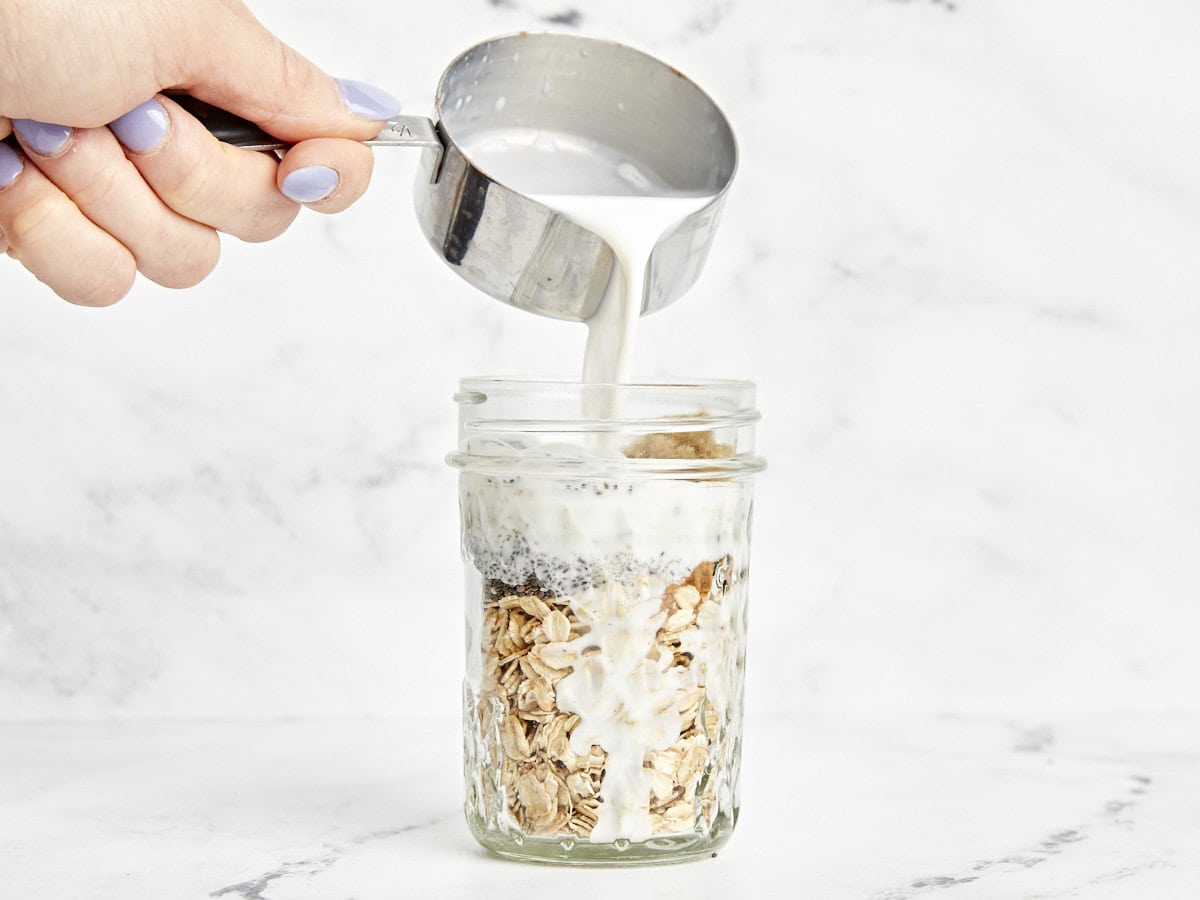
517	249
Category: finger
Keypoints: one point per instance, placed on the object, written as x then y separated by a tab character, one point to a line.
48	234
10	167
233	62
89	166
326	174
199	177
10	161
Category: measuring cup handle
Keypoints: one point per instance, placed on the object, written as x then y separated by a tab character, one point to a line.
401	131
412	131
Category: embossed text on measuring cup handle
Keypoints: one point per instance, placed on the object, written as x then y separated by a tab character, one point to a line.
412	131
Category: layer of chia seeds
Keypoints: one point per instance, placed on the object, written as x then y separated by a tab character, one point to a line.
507	559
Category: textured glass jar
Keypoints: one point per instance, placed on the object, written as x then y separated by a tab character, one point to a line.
606	536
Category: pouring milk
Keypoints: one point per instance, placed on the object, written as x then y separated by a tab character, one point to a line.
624	700
627	207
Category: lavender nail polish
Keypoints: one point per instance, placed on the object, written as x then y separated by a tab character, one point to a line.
10	166
43	138
366	100
143	128
310	184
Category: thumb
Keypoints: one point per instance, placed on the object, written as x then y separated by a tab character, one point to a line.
230	60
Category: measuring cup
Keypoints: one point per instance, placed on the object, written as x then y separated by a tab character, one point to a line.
599	93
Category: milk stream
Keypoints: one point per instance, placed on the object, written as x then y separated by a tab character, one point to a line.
629	208
624	699
631	225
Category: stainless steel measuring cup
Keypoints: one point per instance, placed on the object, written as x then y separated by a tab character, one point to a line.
512	247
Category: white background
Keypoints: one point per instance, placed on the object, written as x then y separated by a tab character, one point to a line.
961	259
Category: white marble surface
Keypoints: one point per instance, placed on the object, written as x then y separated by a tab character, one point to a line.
833	807
962	261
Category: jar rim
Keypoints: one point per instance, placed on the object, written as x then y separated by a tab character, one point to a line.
573	381
737	395
498	413
522	405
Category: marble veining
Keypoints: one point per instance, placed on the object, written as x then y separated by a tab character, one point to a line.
1117	814
254	888
833	806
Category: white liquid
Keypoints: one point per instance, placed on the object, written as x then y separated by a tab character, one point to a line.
572	535
625	702
612	553
626	698
632	225
610	549
630	209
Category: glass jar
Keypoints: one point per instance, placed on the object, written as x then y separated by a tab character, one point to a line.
606	536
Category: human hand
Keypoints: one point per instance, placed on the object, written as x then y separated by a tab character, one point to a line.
84	206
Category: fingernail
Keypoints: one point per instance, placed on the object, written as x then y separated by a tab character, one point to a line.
143	128
366	100
43	138
310	184
10	166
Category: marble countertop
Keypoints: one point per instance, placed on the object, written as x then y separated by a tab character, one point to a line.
832	807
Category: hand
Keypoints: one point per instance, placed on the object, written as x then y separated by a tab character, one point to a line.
84	206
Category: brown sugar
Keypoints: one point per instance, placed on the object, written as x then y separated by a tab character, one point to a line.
678	445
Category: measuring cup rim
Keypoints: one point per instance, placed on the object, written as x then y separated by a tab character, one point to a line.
567	37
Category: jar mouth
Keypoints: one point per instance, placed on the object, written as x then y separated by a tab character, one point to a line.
572	381
675	404
502	406
477	389
544	422
616	425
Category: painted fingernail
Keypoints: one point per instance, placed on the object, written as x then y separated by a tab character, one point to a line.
10	166
366	100
143	128
310	184
43	138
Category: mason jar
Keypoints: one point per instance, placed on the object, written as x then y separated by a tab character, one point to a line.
606	540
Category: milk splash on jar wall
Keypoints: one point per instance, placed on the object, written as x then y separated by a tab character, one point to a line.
613	611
